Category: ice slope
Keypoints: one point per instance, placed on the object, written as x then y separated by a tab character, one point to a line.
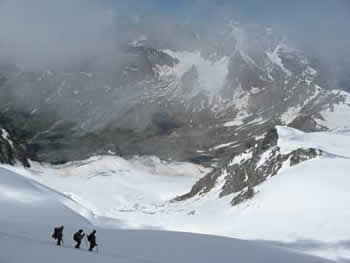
30	210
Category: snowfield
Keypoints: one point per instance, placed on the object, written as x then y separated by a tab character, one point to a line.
109	185
337	117
302	208
30	210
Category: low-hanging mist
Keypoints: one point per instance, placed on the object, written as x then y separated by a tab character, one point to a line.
164	78
43	33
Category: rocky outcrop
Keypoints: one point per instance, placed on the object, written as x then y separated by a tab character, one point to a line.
243	171
244	195
13	148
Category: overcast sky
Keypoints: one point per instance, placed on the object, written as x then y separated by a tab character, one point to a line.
71	28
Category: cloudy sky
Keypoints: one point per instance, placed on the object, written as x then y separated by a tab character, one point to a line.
68	28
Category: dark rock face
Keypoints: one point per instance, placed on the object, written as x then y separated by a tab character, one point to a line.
243	196
307	123
13	147
302	155
246	73
246	170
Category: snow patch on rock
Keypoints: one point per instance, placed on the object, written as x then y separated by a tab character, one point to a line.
211	74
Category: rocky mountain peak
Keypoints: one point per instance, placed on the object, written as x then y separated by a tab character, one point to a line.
175	102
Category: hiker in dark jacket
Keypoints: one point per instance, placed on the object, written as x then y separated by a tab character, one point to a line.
92	240
78	237
58	234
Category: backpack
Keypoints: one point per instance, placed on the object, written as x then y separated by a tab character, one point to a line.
89	238
76	237
54	235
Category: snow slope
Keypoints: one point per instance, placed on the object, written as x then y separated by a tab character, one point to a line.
30	210
303	202
109	185
337	116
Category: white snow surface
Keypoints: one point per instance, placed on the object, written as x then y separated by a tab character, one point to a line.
334	143
302	208
337	117
211	74
241	158
233	123
290	114
5	135
275	59
109	185
30	211
224	145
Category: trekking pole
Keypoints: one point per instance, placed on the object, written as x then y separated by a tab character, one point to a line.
62	240
86	242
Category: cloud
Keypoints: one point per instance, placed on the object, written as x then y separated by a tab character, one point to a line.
40	32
